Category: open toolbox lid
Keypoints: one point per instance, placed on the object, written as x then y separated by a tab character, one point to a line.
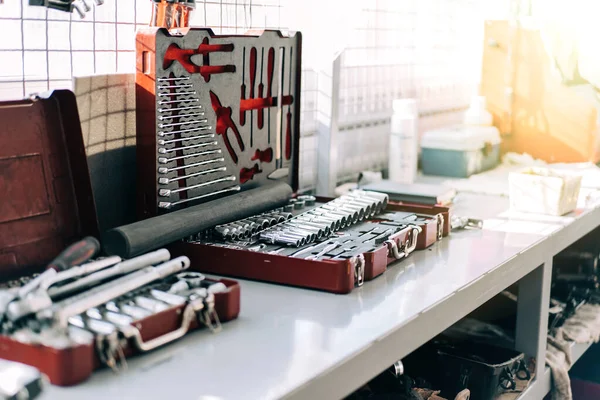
48	202
248	135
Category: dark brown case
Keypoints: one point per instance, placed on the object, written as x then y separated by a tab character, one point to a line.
48	201
49	205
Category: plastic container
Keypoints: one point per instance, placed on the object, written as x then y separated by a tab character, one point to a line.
460	151
485	370
404	142
543	191
477	114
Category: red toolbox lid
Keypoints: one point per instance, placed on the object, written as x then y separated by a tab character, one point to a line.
235	81
44	177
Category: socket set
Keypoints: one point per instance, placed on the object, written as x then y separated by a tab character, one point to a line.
71	322
199	139
67	315
320	243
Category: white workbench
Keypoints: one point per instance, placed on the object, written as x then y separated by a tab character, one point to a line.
305	344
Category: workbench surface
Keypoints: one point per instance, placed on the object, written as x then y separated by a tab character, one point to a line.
305	344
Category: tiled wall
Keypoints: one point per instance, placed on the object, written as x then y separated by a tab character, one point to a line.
426	49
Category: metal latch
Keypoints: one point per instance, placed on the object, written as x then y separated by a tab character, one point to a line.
405	248
440	226
414	238
358	262
465	223
393	250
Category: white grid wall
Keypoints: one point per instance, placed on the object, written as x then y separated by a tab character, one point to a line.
425	49
48	47
42	49
429	50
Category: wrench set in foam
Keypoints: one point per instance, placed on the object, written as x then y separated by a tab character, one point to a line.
69	314
216	114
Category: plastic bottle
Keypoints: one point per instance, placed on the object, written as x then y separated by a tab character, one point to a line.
404	142
477	114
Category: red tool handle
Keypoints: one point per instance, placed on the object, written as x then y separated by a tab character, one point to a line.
247	174
261	88
261	114
270	70
288	136
252	84
263	155
243	113
75	254
252	71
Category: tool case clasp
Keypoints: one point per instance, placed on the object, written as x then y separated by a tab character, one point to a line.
358	262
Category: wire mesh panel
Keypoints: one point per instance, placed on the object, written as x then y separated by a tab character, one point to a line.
424	49
429	50
42	49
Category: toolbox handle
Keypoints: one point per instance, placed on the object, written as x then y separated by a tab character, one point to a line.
507	379
405	249
189	314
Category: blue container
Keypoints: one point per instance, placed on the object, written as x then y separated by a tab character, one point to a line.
460	151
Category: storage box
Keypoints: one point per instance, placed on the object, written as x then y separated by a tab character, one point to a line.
543	191
485	370
460	151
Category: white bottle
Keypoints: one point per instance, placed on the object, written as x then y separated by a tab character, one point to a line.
477	114
404	142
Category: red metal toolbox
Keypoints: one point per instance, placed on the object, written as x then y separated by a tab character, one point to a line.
203	141
44	169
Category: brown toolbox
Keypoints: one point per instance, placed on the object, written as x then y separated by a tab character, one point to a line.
44	169
218	117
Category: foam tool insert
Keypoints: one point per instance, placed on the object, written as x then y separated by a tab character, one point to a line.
215	115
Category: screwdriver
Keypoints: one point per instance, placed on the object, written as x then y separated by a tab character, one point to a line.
172	13
73	255
76	254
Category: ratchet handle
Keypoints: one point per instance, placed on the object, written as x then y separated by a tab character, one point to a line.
76	254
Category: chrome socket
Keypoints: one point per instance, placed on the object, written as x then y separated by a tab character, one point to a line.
262	223
321	232
286	239
368	208
278	218
353	214
375	195
314	222
339	219
379	205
